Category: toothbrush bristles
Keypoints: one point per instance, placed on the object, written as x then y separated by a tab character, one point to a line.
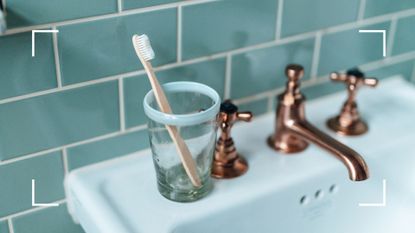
143	46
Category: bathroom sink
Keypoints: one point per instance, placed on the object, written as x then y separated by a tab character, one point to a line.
305	192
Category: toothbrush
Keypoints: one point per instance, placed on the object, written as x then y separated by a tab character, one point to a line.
145	53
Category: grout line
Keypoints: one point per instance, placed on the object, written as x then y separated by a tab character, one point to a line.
119	6
121	103
228	77
57	60
316	55
28	211
71	86
205	58
65	161
259	96
391	36
270	103
336	28
388	61
179	33
272	93
10	225
369	21
361	12
164	67
107	16
29	156
79	143
278	22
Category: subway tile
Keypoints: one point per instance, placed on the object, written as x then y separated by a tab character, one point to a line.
263	70
301	16
4	228
57	119
107	149
257	107
322	89
211	73
20	72
26	13
380	7
347	49
102	48
405	36
404	69
16	182
131	4
223	25
49	220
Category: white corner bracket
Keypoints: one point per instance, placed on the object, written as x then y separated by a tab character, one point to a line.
383	37
33	197
39	31
382	204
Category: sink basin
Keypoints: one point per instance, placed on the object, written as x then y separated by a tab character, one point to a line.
304	192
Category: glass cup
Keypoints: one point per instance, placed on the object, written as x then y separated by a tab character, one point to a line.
195	107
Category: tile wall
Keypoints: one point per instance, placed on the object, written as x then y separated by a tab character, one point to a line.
78	101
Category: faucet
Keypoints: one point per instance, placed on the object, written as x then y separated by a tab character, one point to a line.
293	132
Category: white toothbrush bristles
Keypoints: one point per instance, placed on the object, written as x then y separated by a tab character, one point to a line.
142	46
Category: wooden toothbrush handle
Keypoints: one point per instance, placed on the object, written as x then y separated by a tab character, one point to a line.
185	156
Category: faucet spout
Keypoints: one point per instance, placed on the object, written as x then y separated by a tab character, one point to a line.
293	132
355	164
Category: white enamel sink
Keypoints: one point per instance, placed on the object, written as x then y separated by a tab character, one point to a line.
305	192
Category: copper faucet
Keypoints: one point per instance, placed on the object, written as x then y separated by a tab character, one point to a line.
227	162
349	122
293	132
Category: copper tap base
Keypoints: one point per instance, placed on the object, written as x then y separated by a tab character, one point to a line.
358	127
227	163
349	122
229	170
291	146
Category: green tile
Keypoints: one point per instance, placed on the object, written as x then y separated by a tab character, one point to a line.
257	107
107	149
131	4
347	49
25	13
403	68
4	228
263	70
304	15
380	7
102	48
20	72
322	89
50	220
16	182
211	73
405	36
223	25
57	119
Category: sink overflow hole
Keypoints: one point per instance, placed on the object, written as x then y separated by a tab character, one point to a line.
333	188
304	200
319	194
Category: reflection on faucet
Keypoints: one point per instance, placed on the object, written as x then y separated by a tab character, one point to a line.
293	131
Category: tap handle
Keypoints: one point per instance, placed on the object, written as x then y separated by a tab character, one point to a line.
244	116
229	114
294	72
354	77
